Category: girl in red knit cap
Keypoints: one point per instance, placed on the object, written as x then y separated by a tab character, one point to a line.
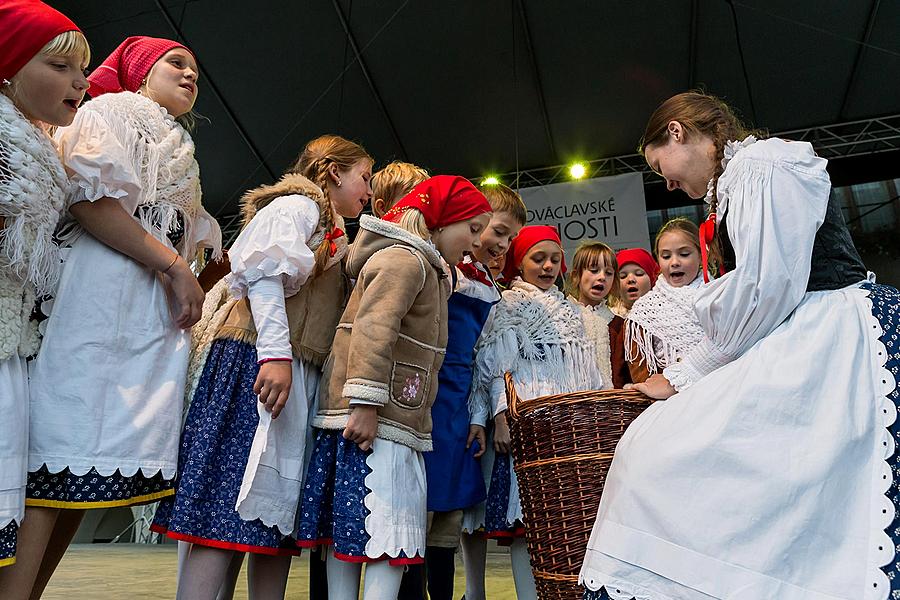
539	336
637	275
42	83
365	494
108	386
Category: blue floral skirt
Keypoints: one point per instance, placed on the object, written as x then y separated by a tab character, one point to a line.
92	490
8	544
497	504
215	446
332	509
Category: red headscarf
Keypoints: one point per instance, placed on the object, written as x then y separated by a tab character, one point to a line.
127	67
641	258
528	237
443	200
25	27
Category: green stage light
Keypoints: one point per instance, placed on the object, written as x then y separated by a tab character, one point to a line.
490	180
577	171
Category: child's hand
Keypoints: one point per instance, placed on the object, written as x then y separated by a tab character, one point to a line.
273	384
502	442
657	387
186	294
476	434
362	426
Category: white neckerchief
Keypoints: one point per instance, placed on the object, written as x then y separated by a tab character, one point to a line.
596	323
33	185
662	326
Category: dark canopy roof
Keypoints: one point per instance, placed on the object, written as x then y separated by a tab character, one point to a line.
473	87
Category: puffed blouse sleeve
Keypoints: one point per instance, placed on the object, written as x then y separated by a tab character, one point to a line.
775	195
275	243
97	162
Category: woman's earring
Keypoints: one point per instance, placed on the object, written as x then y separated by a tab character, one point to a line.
339	183
6	82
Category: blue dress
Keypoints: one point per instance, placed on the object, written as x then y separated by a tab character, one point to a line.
453	473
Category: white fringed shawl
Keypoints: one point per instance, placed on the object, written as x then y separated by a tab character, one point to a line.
162	154
662	326
596	323
540	338
33	185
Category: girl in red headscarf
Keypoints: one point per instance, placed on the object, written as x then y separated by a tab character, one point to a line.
539	336
365	494
108	386
42	83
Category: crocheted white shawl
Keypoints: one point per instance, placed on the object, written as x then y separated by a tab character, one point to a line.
162	153
540	337
662	326
596	323
33	184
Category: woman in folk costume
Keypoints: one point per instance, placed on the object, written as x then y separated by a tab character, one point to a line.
42	83
769	471
365	490
661	327
107	387
538	336
241	461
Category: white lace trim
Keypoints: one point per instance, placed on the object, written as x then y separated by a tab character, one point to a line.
662	327
106	467
619	590
881	551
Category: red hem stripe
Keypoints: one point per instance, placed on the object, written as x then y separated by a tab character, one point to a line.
230	546
314	543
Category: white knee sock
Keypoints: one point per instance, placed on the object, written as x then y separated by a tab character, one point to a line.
474	555
521	568
343	578
205	569
382	581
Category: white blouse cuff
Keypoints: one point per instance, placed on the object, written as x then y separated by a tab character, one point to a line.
703	360
273	335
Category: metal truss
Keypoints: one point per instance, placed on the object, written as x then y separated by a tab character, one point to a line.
840	140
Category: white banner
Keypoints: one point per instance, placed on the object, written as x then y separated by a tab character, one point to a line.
611	210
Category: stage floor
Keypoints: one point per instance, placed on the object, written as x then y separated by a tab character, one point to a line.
147	572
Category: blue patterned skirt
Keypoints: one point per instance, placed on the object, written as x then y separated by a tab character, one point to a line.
215	446
93	490
886	308
495	524
8	544
332	509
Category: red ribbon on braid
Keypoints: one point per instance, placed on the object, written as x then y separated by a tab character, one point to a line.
707	235
331	236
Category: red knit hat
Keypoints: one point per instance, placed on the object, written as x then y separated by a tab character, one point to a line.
641	258
26	26
529	236
443	200
127	67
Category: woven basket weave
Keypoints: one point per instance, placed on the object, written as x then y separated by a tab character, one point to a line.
563	446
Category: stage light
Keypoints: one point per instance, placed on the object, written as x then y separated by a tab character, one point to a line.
577	171
490	180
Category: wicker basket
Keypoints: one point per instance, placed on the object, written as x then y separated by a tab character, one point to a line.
563	446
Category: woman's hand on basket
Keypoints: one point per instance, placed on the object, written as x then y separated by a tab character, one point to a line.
362	426
476	434
502	442
657	387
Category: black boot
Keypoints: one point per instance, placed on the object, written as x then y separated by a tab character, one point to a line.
440	567
412	587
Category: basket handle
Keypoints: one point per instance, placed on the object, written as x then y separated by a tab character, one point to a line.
512	398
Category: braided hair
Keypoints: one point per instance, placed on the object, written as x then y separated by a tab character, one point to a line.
314	163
